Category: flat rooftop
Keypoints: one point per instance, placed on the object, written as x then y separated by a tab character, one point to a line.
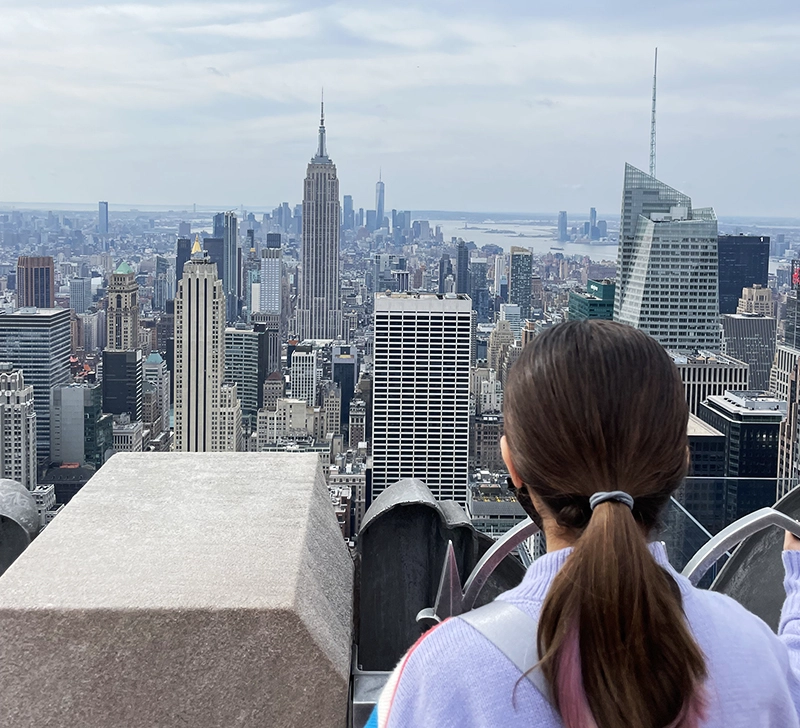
704	358
698	428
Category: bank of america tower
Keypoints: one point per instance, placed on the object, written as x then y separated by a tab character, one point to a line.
319	314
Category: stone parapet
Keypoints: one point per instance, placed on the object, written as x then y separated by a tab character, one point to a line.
182	589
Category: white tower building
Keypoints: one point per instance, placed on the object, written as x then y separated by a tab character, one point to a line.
420	425
499	272
200	359
80	294
319	313
667	265
303	374
17	428
271	286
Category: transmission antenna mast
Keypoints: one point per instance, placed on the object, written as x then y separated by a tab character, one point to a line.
653	121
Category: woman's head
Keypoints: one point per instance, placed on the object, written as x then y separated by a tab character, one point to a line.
595	406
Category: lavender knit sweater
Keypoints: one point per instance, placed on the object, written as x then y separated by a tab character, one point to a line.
455	677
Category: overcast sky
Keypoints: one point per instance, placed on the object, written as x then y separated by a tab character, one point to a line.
506	105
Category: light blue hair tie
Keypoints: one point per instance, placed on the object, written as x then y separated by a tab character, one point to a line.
602	496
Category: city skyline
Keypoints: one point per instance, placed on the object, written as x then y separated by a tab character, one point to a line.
541	108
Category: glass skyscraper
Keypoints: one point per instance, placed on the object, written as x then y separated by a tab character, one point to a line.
743	263
38	343
667	265
520	288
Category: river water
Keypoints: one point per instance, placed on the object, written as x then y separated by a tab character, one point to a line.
540	238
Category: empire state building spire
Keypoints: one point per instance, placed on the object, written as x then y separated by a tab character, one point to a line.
319	311
322	152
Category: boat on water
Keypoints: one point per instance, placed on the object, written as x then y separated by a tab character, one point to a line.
555	247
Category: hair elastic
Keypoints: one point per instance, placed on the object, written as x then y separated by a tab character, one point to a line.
620	496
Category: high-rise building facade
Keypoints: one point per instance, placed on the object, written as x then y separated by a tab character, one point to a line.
705	493
200	360
707	373
349	216
271	325
743	262
380	203
80	294
123	382
756	299
91	335
563	236
344	371
102	218
445	272
81	432
35	281
783	366
510	312
597	302
38	343
750	337
667	265
271	286
182	253
17	427
246	366
520	287
500	339
789	330
157	376
499	274
784	378
304	375
230	269
462	268
319	313
479	289
421	392
750	422
215	247
122	317
229	420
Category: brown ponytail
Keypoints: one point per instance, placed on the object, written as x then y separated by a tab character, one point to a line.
598	406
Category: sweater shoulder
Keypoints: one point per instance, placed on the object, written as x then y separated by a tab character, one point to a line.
455	676
728	632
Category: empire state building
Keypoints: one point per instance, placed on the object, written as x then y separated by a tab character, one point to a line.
319	313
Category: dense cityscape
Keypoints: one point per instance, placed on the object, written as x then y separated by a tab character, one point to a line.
380	340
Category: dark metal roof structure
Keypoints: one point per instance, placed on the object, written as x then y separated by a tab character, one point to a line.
753	575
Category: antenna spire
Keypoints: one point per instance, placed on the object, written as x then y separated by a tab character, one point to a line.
322	152
653	120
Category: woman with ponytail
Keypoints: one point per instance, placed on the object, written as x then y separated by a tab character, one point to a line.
595	443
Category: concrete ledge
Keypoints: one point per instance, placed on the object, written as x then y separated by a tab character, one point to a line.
182	590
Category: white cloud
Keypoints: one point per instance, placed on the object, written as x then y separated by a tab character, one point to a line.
289	27
504	110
